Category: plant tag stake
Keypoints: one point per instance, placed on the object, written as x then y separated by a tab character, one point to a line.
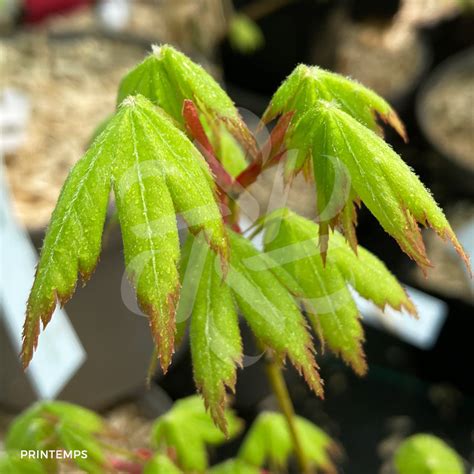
61	353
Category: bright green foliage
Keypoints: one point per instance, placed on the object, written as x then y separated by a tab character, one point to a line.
269	443
292	242
168	77
187	428
156	173
333	140
269	308
11	463
59	425
234	466
244	34
427	454
307	85
160	464
214	330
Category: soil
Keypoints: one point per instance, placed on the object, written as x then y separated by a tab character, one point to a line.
447	111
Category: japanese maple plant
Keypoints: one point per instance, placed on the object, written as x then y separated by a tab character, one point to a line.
177	150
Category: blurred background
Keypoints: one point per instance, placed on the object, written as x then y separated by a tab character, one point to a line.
61	62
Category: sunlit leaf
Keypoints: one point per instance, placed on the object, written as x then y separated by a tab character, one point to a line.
168	77
156	174
332	139
269	443
269	308
188	429
306	85
292	242
426	454
214	329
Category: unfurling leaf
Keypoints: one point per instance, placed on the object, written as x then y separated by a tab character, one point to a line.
292	242
269	443
269	308
168	77
187	429
160	464
338	145
156	173
427	454
214	329
306	85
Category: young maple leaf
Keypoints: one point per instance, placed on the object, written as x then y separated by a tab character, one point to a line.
269	443
167	77
161	464
188	429
216	346
306	85
156	173
235	466
292	242
269	308
60	425
426	454
331	140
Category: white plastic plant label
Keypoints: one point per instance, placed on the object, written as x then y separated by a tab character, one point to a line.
60	353
421	332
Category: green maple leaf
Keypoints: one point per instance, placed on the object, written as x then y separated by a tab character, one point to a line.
167	77
214	330
427	454
156	173
11	463
307	85
160	464
59	425
234	466
269	443
188	429
292	242
269	308
332	140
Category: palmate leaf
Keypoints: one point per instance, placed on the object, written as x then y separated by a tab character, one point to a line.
292	242
269	308
427	454
378	177
188	429
269	443
156	173
306	85
216	347
168	77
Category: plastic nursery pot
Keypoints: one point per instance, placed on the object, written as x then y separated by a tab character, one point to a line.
389	58
444	113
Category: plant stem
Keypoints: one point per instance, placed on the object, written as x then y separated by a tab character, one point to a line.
278	384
